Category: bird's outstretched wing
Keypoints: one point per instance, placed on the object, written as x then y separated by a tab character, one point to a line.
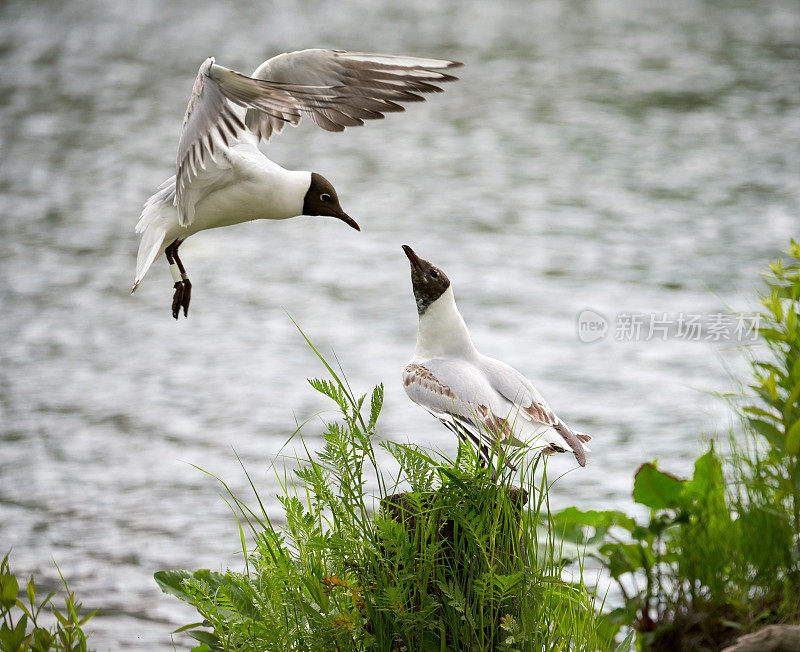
336	89
210	124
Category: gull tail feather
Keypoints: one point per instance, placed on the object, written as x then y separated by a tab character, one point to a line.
153	224
155	204
150	246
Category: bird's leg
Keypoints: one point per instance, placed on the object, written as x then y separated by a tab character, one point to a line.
486	458
187	284
177	298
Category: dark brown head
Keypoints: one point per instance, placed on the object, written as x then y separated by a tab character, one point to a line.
321	199
429	282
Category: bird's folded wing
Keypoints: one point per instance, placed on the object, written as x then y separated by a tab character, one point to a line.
339	89
449	388
531	404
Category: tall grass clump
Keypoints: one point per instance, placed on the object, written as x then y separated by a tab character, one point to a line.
456	561
720	552
772	405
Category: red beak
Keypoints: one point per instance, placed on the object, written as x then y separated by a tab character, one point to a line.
348	220
415	261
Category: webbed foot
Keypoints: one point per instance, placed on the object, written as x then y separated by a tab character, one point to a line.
181	298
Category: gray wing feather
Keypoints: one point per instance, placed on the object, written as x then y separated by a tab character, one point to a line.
446	385
210	122
456	395
510	383
456	388
519	390
338	89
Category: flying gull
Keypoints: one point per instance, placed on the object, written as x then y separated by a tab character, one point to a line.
221	176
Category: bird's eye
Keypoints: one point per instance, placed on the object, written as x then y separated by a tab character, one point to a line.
434	274
325	196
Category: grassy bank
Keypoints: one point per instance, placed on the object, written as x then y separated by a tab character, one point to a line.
458	561
720	552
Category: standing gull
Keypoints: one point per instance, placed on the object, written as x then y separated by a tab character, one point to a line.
475	396
222	178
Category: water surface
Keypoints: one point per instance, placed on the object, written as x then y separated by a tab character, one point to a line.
619	156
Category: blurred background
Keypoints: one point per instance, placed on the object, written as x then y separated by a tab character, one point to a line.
614	155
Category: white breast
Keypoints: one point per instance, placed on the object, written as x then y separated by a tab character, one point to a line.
251	188
442	331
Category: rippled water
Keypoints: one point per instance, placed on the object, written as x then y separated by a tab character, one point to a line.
618	156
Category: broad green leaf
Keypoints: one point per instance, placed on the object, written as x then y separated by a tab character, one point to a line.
42	639
772	434
656	489
625	558
12	639
22	625
793	439
10	590
206	637
707	475
31	591
171	581
187	627
201	648
594	518
751	409
7	638
627	645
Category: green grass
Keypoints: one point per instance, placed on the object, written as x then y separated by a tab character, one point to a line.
458	563
720	552
21	627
